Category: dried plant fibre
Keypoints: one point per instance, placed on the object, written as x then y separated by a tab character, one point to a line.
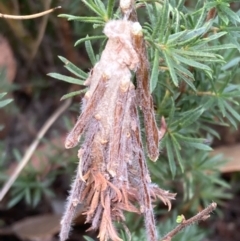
112	175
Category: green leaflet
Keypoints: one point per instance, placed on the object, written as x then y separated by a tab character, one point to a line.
88	38
155	71
191	62
5	102
170	65
66	78
88	238
82	19
170	154
74	93
90	52
73	68
110	8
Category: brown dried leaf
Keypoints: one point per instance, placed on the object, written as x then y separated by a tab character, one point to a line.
42	227
232	154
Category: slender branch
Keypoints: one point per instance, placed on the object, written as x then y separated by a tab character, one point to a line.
16	26
33	147
24	17
203	215
42	28
15	7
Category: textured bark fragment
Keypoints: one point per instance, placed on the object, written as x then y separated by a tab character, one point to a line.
145	99
67	219
75	134
146	202
118	125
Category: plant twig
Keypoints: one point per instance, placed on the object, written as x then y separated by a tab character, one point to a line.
24	17
16	26
15	7
43	24
33	147
203	215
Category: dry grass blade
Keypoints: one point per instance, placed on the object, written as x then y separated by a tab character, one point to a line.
33	147
31	16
